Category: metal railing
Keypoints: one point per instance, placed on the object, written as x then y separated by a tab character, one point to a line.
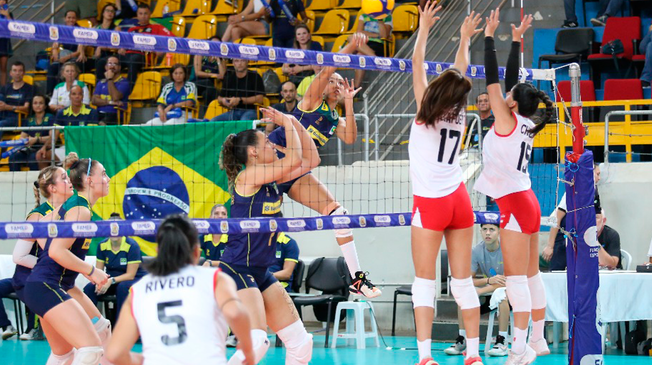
48	128
53	11
606	129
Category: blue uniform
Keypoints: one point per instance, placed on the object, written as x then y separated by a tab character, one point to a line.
22	272
213	251
286	250
49	282
248	256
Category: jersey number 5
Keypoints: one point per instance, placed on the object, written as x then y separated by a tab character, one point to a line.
524	158
445	134
177	319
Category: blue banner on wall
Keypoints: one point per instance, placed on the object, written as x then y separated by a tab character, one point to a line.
154	43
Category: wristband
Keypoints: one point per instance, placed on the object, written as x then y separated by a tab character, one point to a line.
210	263
92	271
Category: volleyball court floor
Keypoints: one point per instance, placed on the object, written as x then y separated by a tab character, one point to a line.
15	352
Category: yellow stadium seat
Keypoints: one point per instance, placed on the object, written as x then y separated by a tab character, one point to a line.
319	40
147	87
354	27
204	27
321	5
265	104
281	76
165	7
225	7
196	7
310	22
28	79
178	26
406	20
214	109
339	43
350	4
88	79
246	40
335	22
85	23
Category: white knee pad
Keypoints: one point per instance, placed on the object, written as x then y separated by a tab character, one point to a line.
519	293
537	291
259	344
424	292
344	232
464	292
64	359
298	344
103	329
88	355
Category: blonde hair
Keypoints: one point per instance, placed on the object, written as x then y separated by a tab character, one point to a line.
45	178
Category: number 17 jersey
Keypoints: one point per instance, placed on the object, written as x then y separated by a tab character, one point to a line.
434	156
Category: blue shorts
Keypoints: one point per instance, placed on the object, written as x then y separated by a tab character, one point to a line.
249	277
40	297
284	188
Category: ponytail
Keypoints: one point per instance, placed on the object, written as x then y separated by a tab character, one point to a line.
45	178
548	116
528	97
176	239
37	195
235	153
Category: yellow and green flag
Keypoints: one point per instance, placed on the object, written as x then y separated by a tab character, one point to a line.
157	171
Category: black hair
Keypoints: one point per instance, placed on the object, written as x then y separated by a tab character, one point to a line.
490	224
18	63
144	6
234	153
527	97
176	238
74	11
115	215
479	95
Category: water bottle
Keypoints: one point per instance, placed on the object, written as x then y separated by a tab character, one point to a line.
168	59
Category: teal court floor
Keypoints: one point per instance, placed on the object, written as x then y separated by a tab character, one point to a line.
14	352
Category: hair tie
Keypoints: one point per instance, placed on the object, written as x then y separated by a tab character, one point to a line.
36	185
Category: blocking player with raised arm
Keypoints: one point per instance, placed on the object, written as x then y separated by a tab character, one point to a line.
441	207
505	154
317	113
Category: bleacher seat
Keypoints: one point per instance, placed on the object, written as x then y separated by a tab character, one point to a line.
85	23
406	20
335	22
204	27
147	87
214	109
571	45
225	7
339	43
28	79
623	89
178	26
310	22
587	91
196	7
321	5
89	80
626	29
354	26
350	4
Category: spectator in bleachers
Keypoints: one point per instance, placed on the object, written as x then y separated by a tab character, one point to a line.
241	90
36	138
14	97
486	118
107	23
612	8
175	98
287	105
488	277
287	257
126	9
378	31
120	257
5	43
77	114
646	48
134	60
302	40
305	83
213	245
283	31
250	22
205	73
111	93
84	9
61	94
62	54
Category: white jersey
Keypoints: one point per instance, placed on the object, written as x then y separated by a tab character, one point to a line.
505	159
178	318
434	157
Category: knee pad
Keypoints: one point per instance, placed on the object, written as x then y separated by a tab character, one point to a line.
344	232
64	359
519	293
88	355
464	292
259	344
103	329
298	344
423	293
537	291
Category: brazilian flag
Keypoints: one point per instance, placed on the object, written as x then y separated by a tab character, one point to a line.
157	171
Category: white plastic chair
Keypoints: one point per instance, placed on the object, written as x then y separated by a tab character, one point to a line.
626	260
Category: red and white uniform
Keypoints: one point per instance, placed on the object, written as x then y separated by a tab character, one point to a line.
505	176
440	197
178	318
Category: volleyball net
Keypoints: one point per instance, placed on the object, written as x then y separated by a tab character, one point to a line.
161	170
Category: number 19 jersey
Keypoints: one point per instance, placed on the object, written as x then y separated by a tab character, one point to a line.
178	318
434	156
505	160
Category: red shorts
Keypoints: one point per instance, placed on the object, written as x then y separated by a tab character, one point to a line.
520	212
453	211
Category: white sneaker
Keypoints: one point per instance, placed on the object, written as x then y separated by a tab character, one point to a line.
363	286
30	335
8	332
458	347
499	349
527	357
540	346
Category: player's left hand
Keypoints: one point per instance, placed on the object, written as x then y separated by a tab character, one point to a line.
470	26
517	33
349	89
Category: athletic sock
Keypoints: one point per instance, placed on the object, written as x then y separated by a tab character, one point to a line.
351	257
462	333
537	330
424	349
501	333
472	347
518	345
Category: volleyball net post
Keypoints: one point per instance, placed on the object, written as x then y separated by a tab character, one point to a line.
584	338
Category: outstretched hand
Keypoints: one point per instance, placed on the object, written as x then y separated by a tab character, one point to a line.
349	89
470	26
492	23
517	33
272	115
427	16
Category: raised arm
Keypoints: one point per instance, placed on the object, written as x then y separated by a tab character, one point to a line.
512	69
504	123
467	30
309	155
347	131
427	19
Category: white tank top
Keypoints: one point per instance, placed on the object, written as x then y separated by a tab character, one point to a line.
258	4
178	318
434	157
505	159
